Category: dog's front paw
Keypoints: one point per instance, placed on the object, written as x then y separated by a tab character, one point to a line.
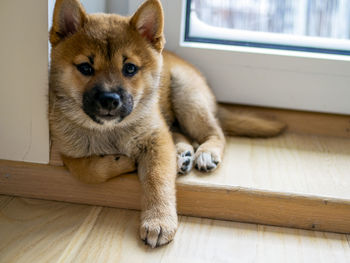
184	162
157	230
206	161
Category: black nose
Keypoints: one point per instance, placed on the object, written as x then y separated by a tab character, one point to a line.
109	100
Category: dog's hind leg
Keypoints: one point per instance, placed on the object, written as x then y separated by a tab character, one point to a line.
185	153
195	109
98	169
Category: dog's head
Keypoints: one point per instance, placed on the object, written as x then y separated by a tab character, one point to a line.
105	67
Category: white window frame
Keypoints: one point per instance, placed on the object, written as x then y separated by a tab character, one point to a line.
201	31
263	77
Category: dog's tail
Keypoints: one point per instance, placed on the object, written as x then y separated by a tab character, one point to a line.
241	123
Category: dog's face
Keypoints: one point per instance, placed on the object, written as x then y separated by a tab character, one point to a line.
105	67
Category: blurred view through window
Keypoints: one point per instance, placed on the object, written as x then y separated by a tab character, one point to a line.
301	24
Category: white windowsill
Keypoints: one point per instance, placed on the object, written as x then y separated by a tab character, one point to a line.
266	51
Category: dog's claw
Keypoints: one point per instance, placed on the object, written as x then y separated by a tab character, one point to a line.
206	162
158	231
184	162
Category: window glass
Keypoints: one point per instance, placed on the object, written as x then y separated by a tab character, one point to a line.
312	25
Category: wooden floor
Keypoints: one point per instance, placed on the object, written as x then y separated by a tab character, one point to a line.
46	231
294	180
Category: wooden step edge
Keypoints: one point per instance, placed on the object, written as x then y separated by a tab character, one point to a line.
261	192
216	202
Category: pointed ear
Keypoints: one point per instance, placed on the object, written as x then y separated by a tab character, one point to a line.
149	22
68	17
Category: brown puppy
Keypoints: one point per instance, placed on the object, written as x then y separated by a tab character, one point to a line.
114	95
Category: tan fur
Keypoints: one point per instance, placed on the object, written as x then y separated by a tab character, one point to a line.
98	169
165	91
248	124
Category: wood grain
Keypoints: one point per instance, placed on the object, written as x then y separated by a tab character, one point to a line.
36	230
212	201
291	163
46	231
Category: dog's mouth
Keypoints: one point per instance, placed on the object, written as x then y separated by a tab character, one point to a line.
108	116
111	106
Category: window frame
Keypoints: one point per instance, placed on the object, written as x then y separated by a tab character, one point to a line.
199	38
262	77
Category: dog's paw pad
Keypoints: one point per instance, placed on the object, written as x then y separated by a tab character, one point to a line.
206	162
184	162
155	233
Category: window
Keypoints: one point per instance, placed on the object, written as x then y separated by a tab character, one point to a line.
304	25
253	75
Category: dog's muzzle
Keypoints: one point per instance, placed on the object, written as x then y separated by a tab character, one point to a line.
102	105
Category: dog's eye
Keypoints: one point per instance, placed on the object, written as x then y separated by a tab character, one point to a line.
130	69
86	69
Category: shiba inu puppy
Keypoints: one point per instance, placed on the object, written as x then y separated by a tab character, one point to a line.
119	102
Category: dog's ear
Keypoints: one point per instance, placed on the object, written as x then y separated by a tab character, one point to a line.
68	17
149	22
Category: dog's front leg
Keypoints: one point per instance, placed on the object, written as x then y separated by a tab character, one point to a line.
157	172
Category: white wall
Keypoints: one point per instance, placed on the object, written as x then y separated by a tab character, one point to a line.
24	133
120	7
97	6
94	6
91	6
